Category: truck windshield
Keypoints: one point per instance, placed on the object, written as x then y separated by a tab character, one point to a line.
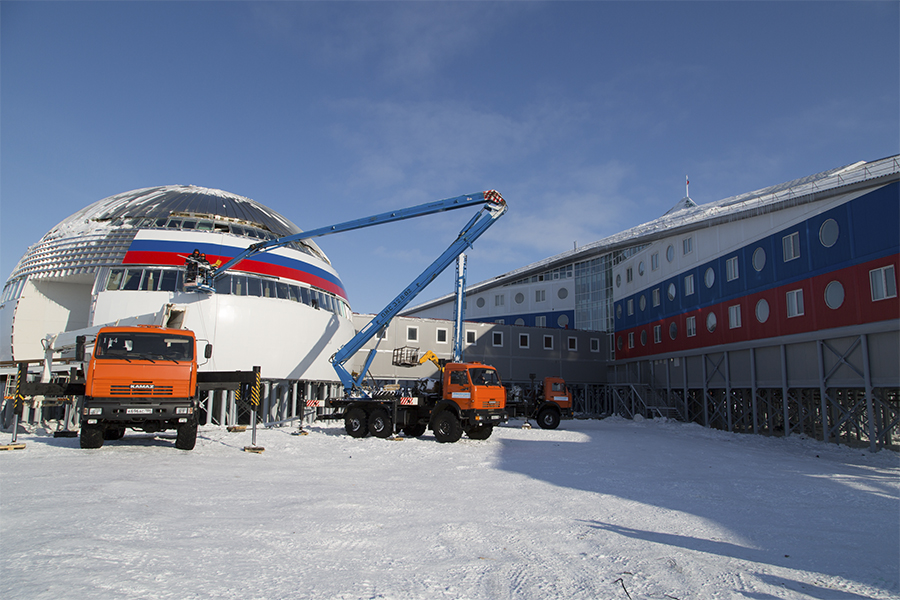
484	376
144	346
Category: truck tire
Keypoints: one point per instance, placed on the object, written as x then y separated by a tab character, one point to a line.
414	430
356	423
548	418
186	435
446	427
480	432
91	436
380	424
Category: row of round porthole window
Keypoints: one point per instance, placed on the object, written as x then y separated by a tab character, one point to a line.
834	299
828	236
562	293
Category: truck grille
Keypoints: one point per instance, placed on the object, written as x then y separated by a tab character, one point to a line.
140	388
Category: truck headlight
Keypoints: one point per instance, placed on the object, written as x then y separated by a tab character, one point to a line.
184	410
95	410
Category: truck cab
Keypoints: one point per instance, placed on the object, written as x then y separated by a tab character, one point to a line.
473	400
144	378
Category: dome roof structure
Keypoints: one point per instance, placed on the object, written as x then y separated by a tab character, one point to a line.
100	234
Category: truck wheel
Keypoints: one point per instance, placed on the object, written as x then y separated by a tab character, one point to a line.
480	432
186	435
415	430
380	423
91	436
356	423
548	418
446	427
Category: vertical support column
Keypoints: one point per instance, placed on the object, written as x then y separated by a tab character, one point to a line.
753	389
870	406
685	386
784	391
728	394
705	395
823	390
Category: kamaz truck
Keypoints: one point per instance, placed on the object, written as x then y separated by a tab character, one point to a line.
468	398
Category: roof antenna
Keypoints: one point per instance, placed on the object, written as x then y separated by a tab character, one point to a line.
687	184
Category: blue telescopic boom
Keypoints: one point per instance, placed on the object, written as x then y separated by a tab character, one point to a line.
494	206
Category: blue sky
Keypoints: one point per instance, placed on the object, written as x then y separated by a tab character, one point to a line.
586	116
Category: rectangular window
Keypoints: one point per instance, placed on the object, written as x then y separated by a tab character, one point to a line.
688	245
412	334
499	299
497	338
657	334
548	342
734	316
595	344
540	321
573	344
794	303
690	325
630	305
523	340
441	336
654	261
540	295
655	296
470	337
731	268
500	321
883	283
689	285
791	246
629	275
631	340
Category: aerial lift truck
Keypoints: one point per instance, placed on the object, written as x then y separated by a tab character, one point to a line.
469	398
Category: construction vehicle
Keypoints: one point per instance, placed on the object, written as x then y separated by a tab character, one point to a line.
466	398
381	412
547	402
140	377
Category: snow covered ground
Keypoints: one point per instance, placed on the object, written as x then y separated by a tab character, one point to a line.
596	509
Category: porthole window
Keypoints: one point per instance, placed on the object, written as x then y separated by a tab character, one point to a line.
711	322
829	232
480	303
670	253
563	293
710	277
520	298
619	343
642	302
563	321
619	280
520	322
643	338
673	330
834	295
641	268
759	259
618	311
762	311
671	291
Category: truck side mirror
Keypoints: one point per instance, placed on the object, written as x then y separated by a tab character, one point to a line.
208	351
79	348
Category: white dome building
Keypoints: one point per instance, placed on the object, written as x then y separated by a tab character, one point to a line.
121	260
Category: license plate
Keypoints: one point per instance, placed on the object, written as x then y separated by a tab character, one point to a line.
139	411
